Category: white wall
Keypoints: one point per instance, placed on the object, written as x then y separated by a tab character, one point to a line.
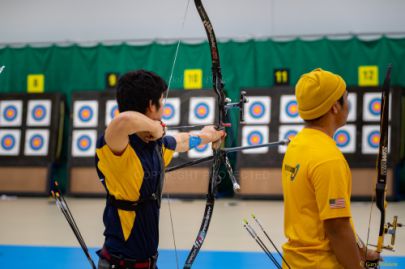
103	20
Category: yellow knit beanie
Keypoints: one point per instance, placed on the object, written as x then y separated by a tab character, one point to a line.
317	91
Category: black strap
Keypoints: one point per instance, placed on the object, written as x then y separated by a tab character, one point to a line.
159	190
130	205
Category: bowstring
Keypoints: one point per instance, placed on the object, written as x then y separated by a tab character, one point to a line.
164	103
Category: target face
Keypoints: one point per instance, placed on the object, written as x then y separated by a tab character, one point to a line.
257	110
171	112
39	112
287	132
372	106
173	133
345	138
202	110
289	109
255	135
371	139
11	113
10	142
84	143
36	142
352	99
111	111
85	113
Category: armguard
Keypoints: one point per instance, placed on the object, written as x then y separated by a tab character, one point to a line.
194	141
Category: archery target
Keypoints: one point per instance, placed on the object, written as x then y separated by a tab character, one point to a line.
84	143
372	106
36	142
10	142
345	138
11	113
111	111
255	135
287	132
39	112
257	110
289	109
85	113
352	99
171	111
371	139
202	110
173	133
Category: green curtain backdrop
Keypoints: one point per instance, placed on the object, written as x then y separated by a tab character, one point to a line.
244	64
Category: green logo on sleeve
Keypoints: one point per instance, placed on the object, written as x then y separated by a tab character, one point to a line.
292	170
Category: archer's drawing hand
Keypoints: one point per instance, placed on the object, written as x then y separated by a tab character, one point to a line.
156	132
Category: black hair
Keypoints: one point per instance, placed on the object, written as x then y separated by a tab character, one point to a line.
342	100
136	89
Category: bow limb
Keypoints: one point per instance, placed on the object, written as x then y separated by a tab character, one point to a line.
218	87
381	185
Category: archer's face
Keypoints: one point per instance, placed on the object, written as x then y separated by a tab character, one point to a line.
344	112
153	112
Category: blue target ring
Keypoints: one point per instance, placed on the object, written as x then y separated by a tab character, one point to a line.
292	109
36	142
342	138
201	148
290	134
10	113
201	111
84	143
114	111
257	110
8	142
86	113
38	113
255	138
373	139
375	106
168	111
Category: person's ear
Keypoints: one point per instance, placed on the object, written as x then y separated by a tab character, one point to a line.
335	108
151	107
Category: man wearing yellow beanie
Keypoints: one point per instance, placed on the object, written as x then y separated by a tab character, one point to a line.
317	181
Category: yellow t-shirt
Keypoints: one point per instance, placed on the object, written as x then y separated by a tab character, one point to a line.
317	186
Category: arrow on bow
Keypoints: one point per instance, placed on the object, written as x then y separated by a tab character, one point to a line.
381	185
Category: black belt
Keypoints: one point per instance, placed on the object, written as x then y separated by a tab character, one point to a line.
120	262
130	205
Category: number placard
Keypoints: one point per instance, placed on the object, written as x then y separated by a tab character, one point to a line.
368	75
111	80
281	76
35	83
193	79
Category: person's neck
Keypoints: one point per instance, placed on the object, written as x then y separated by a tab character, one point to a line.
324	124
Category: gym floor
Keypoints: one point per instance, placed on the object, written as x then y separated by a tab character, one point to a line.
34	233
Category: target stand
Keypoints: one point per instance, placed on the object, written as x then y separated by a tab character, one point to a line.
31	131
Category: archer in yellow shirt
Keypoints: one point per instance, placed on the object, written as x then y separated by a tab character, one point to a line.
317	181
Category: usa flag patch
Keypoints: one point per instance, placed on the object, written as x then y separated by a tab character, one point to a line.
337	203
